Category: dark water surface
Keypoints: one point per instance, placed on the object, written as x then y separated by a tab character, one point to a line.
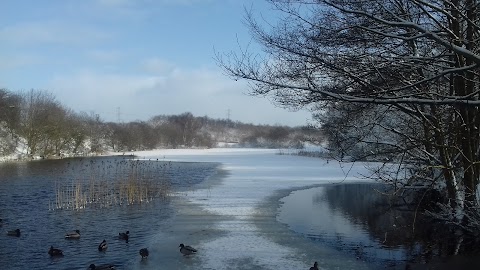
339	216
352	219
27	201
358	219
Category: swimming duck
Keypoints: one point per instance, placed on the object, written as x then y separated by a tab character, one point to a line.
144	252
15	232
103	246
124	235
315	266
101	267
73	235
55	252
186	250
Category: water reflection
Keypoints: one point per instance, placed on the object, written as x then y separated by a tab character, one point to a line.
362	220
355	218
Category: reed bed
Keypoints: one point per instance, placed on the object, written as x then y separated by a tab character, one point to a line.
109	183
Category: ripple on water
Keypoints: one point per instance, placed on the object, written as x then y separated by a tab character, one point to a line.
28	188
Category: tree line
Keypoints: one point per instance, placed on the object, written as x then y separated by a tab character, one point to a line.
40	124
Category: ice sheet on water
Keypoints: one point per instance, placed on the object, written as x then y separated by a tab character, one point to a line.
255	174
242	250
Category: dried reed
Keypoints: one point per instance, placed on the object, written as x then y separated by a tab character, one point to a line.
108	183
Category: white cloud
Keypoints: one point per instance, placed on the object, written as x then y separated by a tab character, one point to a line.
185	2
156	66
150	3
11	62
115	3
104	55
32	33
199	91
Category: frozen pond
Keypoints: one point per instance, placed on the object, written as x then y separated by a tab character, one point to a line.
243	232
228	212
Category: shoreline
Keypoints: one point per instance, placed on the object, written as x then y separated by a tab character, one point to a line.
324	254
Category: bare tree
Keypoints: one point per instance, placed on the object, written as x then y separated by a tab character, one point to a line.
416	61
96	133
10	109
9	121
40	113
188	126
77	132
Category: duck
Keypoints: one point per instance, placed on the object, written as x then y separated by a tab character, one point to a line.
103	246
144	252
15	232
186	250
55	252
101	267
124	235
315	266
73	235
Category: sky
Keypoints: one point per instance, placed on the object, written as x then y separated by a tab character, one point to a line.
128	60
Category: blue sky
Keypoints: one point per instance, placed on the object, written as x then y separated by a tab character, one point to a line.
133	59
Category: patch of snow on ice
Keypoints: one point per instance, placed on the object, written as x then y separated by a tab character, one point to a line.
254	174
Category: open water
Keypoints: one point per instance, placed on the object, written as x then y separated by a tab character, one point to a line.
28	201
342	226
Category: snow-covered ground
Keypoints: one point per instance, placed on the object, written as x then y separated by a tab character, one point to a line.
241	237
